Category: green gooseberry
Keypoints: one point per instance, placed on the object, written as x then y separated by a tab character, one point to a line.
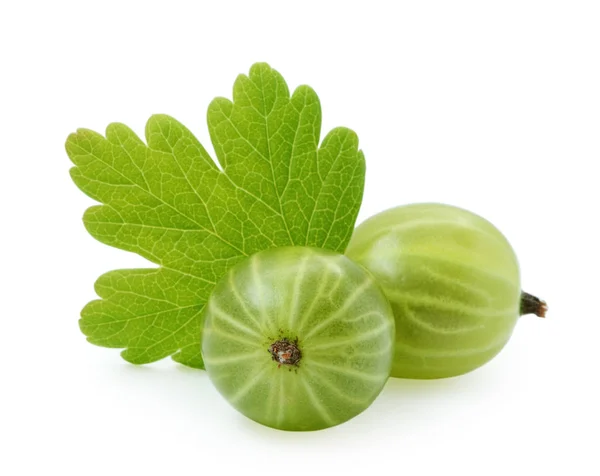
298	338
453	282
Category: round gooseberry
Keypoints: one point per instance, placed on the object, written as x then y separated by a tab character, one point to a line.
453	282
298	338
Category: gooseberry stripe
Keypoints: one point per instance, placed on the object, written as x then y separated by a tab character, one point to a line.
270	407
383	350
233	337
497	344
322	379
253	380
420	323
317	403
318	296
365	336
243	305
342	309
434	302
258	285
365	316
230	359
476	271
293	312
338	282
348	372
433	225
218	313
281	389
441	278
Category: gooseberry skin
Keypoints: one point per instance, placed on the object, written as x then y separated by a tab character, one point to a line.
344	328
453	282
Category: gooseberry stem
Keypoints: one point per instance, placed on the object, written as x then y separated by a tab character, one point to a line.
532	305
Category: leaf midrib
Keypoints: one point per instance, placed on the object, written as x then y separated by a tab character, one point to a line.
266	117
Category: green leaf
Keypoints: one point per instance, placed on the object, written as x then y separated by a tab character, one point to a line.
169	202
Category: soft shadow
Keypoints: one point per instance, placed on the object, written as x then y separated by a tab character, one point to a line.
423	399
407	388
282	437
411	389
403	404
167	380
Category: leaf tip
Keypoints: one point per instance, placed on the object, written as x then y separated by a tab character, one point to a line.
158	122
132	359
260	66
74	173
73	140
159	119
70	138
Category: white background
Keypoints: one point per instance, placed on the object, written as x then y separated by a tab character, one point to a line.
492	106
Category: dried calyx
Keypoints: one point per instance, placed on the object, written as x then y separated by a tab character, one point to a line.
285	352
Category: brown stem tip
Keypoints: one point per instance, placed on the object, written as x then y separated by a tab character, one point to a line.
532	305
